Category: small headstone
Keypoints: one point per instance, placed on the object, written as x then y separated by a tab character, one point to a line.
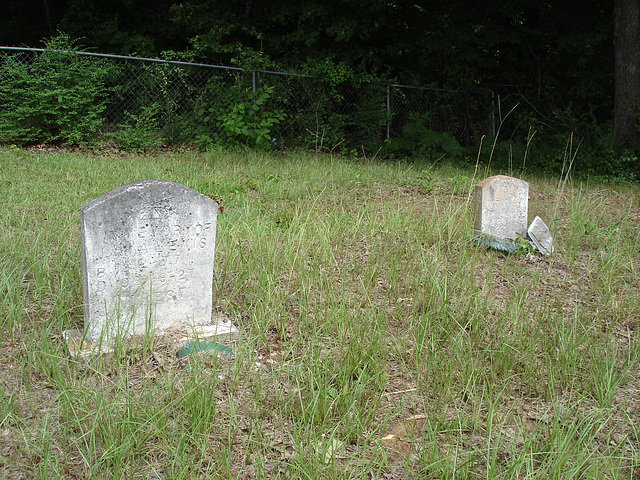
501	206
147	259
540	236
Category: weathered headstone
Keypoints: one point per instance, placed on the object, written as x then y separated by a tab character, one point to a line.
501	206
147	259
540	236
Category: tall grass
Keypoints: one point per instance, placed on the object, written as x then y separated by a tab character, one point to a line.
375	339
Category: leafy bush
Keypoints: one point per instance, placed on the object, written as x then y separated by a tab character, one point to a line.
418	140
249	122
58	97
609	164
341	107
595	158
140	132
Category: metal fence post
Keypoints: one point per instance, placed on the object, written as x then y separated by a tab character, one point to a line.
388	112
493	113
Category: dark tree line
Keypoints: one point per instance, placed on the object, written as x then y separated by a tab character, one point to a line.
557	57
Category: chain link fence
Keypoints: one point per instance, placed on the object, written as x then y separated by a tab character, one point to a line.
161	101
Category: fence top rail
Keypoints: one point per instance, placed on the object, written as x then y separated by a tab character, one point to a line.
436	89
158	60
223	67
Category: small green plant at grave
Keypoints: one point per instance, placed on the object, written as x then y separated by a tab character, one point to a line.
425	181
249	122
459	183
204	142
523	245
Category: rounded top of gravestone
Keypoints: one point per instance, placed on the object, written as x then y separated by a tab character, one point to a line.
503	178
152	187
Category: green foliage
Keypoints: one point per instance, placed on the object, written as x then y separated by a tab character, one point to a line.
425	181
554	58
336	74
215	100
339	105
250	122
523	245
460	183
140	132
58	97
609	163
592	157
419	141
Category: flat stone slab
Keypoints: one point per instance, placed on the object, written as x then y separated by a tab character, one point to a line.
540	236
221	329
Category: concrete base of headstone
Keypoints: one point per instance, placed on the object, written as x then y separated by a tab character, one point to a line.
220	329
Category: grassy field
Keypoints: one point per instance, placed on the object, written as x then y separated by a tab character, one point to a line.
376	341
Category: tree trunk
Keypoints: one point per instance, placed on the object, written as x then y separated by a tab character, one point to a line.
627	70
48	14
